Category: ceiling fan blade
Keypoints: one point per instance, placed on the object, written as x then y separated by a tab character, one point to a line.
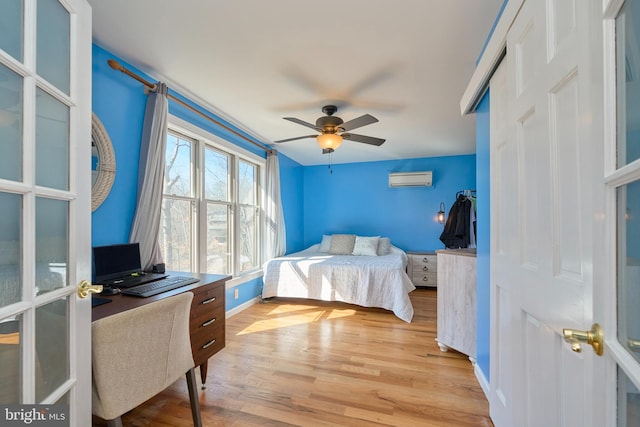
303	123
367	119
363	138
293	139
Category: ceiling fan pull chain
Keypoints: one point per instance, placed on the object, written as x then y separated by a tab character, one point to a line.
330	170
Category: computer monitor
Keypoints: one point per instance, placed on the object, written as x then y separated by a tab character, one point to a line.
114	261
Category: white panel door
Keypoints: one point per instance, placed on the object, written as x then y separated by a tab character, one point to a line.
45	166
547	207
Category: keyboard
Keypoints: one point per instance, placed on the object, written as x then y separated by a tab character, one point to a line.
159	286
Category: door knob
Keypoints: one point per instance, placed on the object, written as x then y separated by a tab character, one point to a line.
85	288
594	337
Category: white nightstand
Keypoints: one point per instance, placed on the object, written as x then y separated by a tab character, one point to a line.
422	269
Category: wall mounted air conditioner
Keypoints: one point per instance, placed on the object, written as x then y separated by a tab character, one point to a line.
410	179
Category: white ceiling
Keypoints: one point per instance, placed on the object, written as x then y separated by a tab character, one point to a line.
406	62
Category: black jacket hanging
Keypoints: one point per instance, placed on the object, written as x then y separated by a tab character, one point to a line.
456	233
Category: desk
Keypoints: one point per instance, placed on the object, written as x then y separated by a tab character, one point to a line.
207	318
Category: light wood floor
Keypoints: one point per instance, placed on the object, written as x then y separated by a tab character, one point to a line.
308	363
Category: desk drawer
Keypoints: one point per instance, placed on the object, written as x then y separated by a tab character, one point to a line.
207	321
206	342
207	298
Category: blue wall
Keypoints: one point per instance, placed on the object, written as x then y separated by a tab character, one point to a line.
292	195
356	199
483	242
119	102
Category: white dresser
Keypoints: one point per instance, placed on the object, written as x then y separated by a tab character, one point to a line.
457	301
422	269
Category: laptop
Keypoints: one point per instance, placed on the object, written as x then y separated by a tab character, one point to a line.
119	266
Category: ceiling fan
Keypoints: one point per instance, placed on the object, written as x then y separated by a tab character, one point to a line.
333	130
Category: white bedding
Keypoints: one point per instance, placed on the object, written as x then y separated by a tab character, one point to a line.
368	281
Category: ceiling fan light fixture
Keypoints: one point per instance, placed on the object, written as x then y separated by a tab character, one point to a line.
329	140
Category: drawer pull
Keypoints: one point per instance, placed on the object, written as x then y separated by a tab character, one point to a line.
208	322
425	268
425	279
207	301
425	259
208	344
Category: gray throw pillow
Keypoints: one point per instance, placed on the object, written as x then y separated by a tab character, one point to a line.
342	244
325	244
384	246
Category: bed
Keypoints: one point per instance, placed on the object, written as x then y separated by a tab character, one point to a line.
369	281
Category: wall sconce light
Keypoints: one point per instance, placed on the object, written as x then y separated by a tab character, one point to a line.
440	216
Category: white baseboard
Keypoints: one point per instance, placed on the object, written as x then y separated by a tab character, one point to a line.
482	380
242	307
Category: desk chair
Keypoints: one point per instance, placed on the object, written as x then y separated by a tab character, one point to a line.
140	352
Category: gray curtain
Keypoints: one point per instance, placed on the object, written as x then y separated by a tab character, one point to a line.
275	236
146	223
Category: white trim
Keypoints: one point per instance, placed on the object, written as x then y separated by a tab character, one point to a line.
241	307
241	280
490	58
196	132
482	380
185	94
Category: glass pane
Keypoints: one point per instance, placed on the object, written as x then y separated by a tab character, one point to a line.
53	44
628	223
218	239
628	402
247	184
178	167
216	176
52	225
11	20
10	249
248	238
628	85
52	142
10	360
10	124
52	347
175	234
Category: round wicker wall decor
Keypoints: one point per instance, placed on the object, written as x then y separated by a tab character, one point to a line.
106	165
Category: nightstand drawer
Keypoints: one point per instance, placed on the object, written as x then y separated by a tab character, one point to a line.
425	279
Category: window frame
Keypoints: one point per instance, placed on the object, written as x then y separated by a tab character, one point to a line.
202	140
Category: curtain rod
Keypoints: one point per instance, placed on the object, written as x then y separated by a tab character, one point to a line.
152	86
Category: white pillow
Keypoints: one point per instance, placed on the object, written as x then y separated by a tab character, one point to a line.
366	246
342	244
325	244
384	246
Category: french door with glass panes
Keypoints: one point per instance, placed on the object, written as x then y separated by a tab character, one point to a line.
45	145
621	294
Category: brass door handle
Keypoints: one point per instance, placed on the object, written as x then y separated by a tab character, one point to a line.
594	337
85	288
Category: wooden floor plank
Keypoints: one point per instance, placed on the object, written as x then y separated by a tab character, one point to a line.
309	363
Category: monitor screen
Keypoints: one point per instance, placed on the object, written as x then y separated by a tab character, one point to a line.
114	261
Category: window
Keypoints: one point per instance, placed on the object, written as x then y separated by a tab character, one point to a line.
211	206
